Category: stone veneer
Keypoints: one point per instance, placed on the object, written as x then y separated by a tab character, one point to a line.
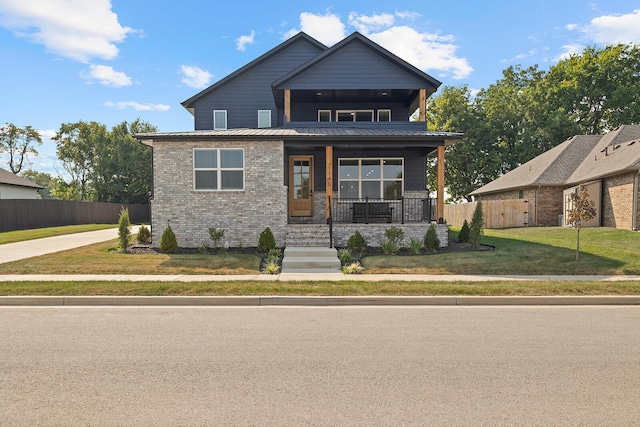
241	214
374	233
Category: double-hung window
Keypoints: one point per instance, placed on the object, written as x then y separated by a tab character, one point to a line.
372	178
218	169
219	119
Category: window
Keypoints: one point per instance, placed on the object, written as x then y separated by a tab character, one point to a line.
218	169
373	178
264	119
520	194
384	115
354	116
219	119
324	115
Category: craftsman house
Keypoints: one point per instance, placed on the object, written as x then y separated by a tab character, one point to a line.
310	141
607	165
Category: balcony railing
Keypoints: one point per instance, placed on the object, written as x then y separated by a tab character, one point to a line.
369	210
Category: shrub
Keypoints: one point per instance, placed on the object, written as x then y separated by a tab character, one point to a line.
203	248
415	246
475	229
215	235
266	242
463	236
272	267
353	268
395	235
357	242
168	242
124	229
389	247
431	241
344	255
144	234
274	255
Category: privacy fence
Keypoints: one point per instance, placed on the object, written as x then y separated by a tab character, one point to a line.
497	213
25	214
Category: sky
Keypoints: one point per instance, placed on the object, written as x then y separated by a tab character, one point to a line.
114	60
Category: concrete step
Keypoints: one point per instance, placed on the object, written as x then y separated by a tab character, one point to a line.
310	259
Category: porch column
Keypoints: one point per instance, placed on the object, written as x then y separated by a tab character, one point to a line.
440	189
287	105
328	180
423	105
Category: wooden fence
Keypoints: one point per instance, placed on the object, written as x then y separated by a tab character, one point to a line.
26	214
497	213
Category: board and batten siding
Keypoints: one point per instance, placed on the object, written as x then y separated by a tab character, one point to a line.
243	96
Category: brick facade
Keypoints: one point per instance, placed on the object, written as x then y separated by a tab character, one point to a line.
617	201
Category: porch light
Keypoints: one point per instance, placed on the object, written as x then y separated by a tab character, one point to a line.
319	93
385	93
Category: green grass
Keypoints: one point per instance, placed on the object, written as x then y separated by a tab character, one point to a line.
319	288
39	233
536	251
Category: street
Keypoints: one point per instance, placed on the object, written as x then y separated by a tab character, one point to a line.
170	366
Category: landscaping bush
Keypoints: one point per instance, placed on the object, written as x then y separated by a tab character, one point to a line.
431	241
168	242
215	235
344	255
415	246
272	267
463	235
124	229
266	242
353	268
389	247
274	255
357	242
475	229
144	234
395	235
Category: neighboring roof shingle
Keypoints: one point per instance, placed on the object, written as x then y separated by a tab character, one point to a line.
9	178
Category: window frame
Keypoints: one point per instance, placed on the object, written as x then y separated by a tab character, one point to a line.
354	114
219	169
385	110
325	111
269	121
381	180
225	120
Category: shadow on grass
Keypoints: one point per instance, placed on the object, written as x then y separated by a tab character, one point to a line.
511	256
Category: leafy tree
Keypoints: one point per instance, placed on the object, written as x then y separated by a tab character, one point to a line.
582	209
18	143
43	179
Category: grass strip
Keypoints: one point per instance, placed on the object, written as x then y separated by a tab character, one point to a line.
317	288
39	233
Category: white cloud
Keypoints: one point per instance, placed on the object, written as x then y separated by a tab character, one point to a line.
569	50
47	135
407	15
76	29
365	24
106	76
571	27
327	28
614	29
243	41
195	77
137	106
425	51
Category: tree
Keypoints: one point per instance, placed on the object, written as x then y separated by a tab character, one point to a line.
18	143
124	229
476	227
582	209
43	179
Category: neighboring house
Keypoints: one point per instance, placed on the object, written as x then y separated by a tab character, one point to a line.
305	140
608	165
14	187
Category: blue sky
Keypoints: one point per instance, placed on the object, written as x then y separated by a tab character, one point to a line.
115	60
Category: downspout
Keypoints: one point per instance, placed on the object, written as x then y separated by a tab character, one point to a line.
634	217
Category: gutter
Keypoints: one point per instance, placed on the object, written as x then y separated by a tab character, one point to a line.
634	216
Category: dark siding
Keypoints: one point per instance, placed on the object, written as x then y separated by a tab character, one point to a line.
355	67
244	96
308	112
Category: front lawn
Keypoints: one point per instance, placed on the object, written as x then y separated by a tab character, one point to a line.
39	233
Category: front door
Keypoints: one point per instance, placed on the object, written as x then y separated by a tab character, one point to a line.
301	186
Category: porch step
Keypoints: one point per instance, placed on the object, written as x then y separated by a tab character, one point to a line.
313	235
308	259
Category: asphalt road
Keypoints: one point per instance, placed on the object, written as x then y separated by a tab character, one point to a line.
192	366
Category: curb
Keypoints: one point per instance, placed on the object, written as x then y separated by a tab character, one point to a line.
311	301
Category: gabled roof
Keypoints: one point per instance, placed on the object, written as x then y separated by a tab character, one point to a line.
188	104
9	178
357	37
579	159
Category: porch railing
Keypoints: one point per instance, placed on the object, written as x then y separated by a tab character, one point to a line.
370	210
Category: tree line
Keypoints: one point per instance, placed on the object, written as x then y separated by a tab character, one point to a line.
528	111
102	165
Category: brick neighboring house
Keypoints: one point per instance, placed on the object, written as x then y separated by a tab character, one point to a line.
14	187
608	165
308	140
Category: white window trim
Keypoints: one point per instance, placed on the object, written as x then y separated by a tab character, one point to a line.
219	169
353	113
384	109
264	111
214	119
382	179
325	111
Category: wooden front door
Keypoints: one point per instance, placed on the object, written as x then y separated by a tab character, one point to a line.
301	185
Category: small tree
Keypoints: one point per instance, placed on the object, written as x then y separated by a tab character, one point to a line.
431	241
357	242
215	235
168	241
144	234
475	229
266	241
463	236
124	229
582	209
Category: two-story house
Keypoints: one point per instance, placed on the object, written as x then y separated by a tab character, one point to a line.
310	141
